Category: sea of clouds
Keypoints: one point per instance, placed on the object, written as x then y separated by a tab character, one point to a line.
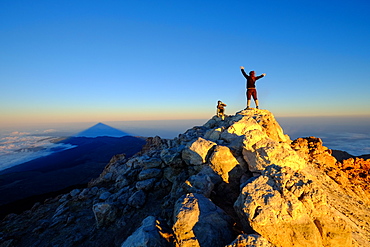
339	133
18	147
353	143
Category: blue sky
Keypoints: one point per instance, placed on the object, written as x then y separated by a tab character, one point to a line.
98	61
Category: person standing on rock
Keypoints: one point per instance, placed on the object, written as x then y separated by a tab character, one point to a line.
251	87
221	109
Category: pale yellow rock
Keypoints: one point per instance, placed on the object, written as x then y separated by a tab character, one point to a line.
350	214
239	128
268	123
283	223
252	137
195	152
260	151
289	209
222	161
213	134
243	125
185	219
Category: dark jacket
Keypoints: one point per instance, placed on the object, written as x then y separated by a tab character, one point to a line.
251	81
221	105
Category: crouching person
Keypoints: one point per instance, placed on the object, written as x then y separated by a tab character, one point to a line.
221	109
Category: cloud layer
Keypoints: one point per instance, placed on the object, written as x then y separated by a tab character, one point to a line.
19	147
350	134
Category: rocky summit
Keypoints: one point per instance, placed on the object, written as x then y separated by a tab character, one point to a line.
234	182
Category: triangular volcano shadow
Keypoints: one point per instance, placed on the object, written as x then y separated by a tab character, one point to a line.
36	180
101	129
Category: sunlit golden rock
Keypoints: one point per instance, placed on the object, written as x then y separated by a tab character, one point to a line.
222	161
288	209
195	152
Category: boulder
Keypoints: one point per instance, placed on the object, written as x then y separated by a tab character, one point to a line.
172	156
288	209
209	172
149	234
138	199
108	176
149	173
75	192
195	153
145	184
62	209
313	151
122	181
105	195
211	123
222	161
240	128
105	213
213	134
200	184
199	222
268	123
260	151
152	163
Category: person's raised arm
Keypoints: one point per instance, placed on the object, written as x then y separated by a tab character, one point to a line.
243	72
259	77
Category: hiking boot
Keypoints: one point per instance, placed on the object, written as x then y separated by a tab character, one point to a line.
256	107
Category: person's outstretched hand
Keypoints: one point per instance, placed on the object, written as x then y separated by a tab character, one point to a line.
264	74
241	67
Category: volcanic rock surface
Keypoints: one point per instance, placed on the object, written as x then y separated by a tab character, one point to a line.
234	182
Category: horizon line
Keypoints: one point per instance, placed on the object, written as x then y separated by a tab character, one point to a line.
7	125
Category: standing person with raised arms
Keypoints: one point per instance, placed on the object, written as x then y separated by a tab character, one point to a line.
251	86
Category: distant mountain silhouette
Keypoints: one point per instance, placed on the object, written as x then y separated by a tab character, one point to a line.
101	129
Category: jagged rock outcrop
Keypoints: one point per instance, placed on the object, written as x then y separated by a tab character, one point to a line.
357	170
234	182
288	209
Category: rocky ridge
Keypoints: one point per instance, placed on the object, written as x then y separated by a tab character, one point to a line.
237	182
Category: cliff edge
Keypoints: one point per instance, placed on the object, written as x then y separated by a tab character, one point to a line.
234	182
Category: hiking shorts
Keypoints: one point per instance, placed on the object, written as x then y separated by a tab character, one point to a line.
252	92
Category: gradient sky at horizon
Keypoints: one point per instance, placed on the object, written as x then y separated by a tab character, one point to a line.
97	61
